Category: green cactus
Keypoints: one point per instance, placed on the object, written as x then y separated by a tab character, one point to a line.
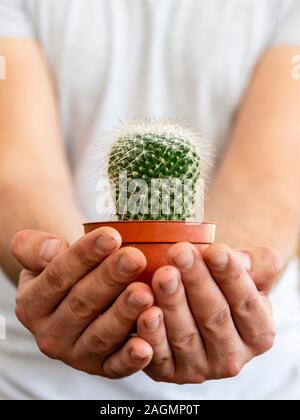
165	158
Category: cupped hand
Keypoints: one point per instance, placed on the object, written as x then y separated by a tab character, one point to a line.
213	313
80	301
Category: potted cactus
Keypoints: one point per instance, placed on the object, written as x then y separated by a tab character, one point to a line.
155	170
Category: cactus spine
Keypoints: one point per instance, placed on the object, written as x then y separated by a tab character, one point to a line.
163	159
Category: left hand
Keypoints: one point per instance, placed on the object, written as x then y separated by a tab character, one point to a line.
213	314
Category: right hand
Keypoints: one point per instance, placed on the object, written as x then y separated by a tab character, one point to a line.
80	302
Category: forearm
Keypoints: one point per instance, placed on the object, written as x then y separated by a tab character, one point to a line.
35	180
255	196
35	205
254	215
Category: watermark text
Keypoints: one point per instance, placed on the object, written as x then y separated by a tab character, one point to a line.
295	72
2	67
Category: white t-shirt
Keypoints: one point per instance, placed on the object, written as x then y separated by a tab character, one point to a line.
113	59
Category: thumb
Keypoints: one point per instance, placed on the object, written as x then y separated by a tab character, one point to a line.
35	249
263	264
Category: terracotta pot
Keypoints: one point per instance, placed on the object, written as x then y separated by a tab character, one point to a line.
154	238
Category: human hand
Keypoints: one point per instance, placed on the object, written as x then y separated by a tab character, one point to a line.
80	302
213	314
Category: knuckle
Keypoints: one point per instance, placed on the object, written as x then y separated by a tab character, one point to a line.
91	367
123	317
192	375
86	257
227	367
21	312
232	277
97	342
170	306
156	378
56	276
181	381
179	378
184	343
112	373
110	276
227	345
112	279
155	340
263	342
159	361
79	307
199	379
249	305
191	379
157	374
218	320
19	300
78	365
232	368
48	346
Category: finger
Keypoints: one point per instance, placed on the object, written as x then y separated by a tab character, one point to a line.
107	331
132	358
91	296
264	265
35	249
26	276
151	328
251	316
182	332
208	304
53	284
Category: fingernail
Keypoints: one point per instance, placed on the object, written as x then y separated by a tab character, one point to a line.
245	259
127	265
106	243
138	354
169	285
137	302
49	249
185	260
218	260
152	324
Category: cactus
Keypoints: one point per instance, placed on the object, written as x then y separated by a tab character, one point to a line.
164	159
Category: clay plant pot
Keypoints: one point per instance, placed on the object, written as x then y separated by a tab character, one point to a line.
154	238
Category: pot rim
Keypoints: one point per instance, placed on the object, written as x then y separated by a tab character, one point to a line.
150	221
159	232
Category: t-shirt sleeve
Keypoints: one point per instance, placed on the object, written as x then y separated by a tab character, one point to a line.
287	30
14	19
